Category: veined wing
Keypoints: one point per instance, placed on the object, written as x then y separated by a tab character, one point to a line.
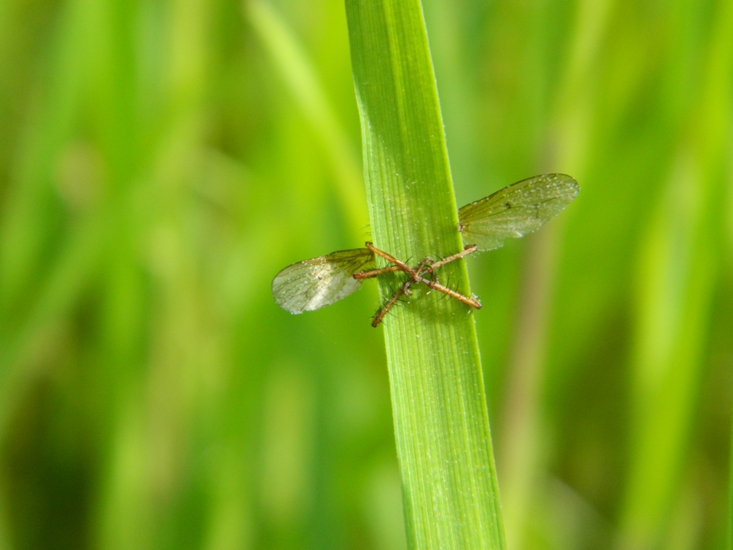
516	210
312	284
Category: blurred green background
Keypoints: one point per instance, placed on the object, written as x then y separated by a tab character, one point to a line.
161	160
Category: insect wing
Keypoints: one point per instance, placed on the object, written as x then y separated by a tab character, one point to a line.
312	284
516	210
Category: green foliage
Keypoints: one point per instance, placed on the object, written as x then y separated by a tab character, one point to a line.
449	486
160	162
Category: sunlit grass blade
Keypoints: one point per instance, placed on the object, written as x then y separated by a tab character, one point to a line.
295	67
730	492
450	492
678	268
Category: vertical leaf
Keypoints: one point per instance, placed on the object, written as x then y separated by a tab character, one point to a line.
450	493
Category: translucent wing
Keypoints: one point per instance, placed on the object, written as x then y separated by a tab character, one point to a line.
516	210
312	284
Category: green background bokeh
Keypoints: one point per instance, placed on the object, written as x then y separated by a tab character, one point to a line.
161	161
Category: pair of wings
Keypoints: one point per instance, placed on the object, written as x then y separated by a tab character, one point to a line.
511	212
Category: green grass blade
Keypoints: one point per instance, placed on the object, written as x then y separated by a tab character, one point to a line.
450	493
678	271
300	76
730	495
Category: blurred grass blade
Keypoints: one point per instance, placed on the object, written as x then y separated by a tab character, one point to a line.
567	124
679	267
25	203
450	493
29	309
61	290
296	69
730	492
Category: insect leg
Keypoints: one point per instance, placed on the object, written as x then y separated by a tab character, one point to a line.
402	265
473	302
376	272
470	249
403	290
418	278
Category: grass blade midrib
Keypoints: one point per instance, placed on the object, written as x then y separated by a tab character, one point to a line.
441	423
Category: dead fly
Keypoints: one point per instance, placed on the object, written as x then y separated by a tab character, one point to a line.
426	267
312	284
511	212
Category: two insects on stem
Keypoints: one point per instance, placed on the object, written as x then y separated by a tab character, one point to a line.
511	212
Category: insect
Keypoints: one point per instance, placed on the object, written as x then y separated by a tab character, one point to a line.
511	212
426	266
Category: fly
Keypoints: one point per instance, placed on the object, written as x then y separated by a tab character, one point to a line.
511	212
